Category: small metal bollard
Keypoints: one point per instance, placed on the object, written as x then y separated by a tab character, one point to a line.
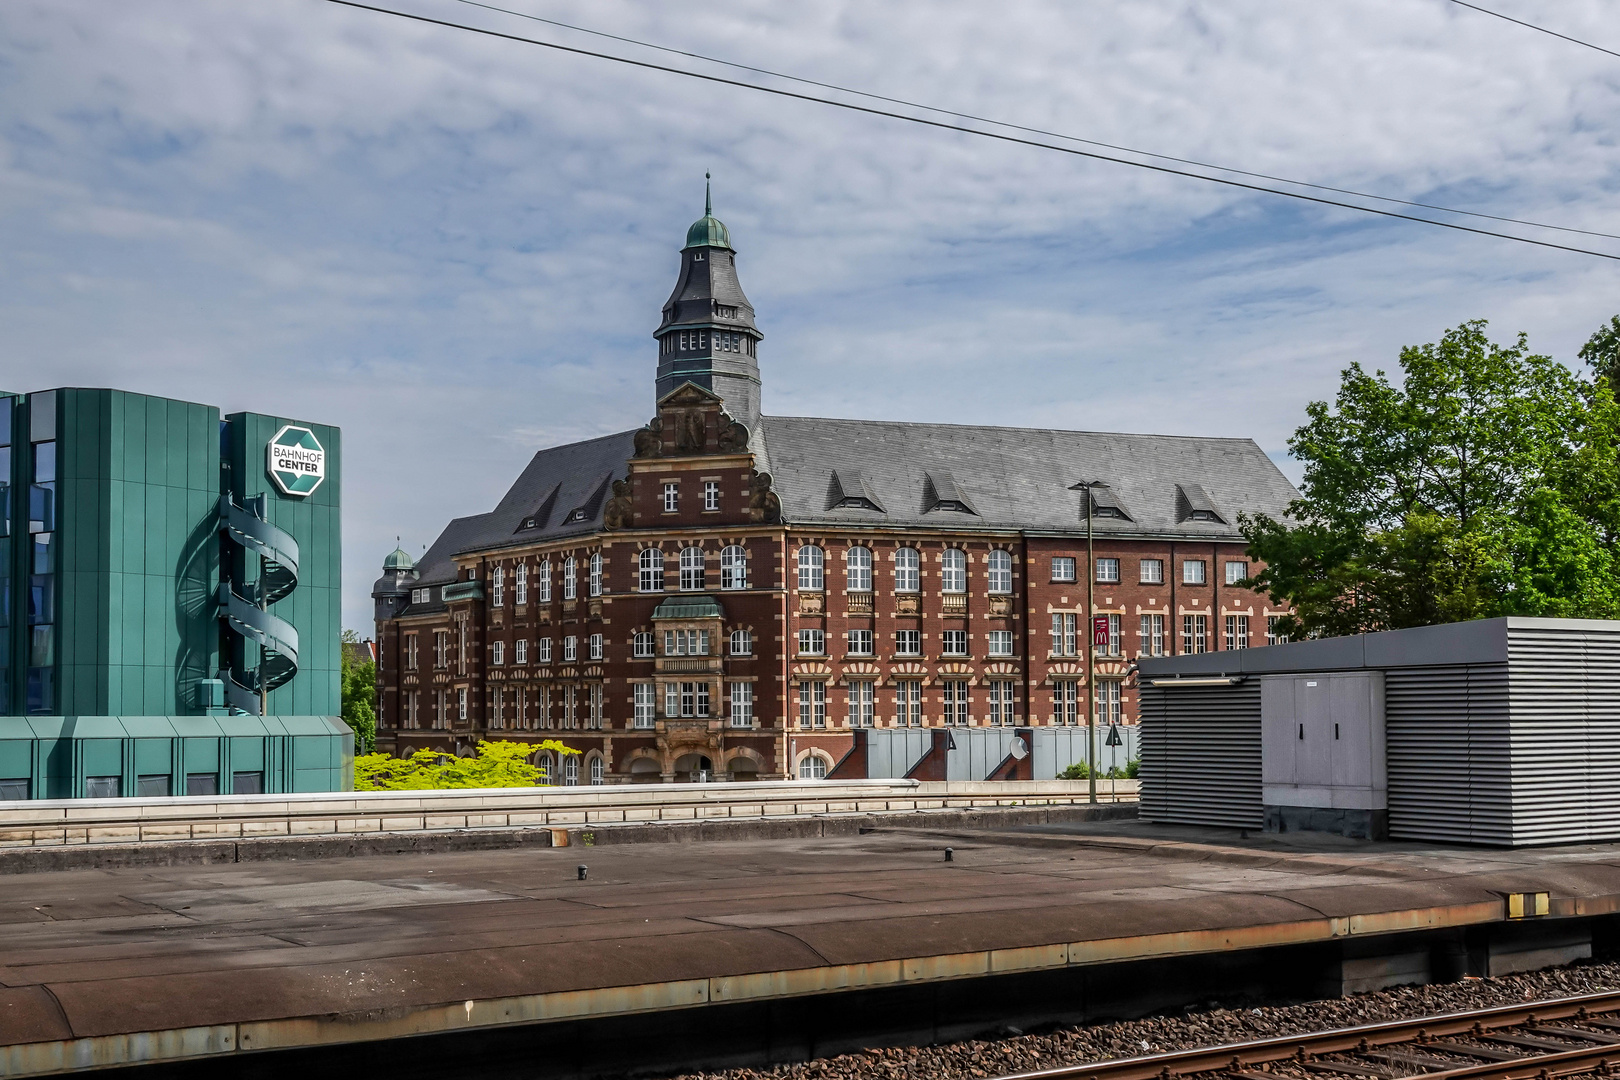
582	872
950	855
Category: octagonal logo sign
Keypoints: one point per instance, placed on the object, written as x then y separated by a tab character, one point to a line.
297	461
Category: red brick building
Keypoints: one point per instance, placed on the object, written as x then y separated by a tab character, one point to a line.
728	594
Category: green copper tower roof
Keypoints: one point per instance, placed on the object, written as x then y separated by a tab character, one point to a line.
708	230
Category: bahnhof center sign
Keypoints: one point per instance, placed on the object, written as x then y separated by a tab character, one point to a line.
297	461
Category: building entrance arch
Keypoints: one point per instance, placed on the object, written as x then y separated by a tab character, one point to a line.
692	768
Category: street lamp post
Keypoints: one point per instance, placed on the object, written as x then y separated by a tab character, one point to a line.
1091	645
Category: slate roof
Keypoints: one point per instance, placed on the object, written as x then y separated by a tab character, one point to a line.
1018	478
1002	477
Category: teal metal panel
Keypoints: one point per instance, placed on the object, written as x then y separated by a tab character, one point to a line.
247	754
16	758
202	755
102	757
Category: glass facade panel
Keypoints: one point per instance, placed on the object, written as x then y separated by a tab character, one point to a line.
40	557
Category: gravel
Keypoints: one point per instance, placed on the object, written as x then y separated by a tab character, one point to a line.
977	1059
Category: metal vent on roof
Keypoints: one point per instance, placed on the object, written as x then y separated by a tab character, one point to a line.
1194	504
849	490
941	492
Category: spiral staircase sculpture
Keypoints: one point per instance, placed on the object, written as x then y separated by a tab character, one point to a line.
244	605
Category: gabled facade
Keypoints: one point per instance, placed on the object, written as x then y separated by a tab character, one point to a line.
726	594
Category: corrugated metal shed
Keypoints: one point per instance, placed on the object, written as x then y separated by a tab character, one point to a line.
1501	731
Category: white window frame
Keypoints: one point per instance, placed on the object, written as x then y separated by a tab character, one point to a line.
734	567
1192	572
1109	707
812	642
1194	634
813	705
1237	632
570	582
643	645
520	584
1272	637
812	767
953	643
1150	635
711	495
672	498
1107	571
1151	572
1236	570
520	651
859	642
1065	633
954	699
1000	572
497	587
908	703
953	570
497	653
1065	569
858	569
812	562
742	704
650	570
1066	702
907	570
461	703
862	703
570	649
543	581
693	565
645	717
1002	697
594	585
542	648
999	643
596	646
744	638
598	770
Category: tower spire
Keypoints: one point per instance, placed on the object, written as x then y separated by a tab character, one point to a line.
708	203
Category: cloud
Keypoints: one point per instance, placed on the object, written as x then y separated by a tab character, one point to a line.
456	248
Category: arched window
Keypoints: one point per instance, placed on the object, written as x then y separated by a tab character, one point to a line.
953	570
497	587
742	643
542	580
520	584
1000	572
596	772
905	570
569	581
548	772
651	567
734	567
812	767
812	566
691	569
596	574
571	770
858	570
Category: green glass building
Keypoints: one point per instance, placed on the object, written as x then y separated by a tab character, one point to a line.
169	599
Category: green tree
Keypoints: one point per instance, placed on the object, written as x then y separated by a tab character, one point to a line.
1483	484
359	692
497	764
1602	352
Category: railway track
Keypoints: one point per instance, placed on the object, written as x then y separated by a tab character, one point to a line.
1539	1040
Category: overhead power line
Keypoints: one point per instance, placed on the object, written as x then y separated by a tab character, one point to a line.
1533	26
944	126
1021	127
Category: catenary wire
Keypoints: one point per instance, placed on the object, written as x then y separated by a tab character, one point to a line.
942	125
1022	127
1533	26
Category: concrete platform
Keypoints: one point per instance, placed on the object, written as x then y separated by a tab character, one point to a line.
204	963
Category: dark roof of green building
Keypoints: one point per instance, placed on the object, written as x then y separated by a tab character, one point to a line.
696	606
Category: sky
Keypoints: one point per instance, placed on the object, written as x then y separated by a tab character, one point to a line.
456	248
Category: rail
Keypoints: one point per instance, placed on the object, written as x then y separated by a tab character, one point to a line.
1508	1042
89	821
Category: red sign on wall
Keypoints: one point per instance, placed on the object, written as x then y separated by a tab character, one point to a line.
1099	631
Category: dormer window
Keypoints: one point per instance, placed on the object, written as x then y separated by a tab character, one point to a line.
724	311
575	516
951	504
1200	515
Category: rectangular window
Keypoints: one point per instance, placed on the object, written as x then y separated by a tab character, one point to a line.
742	705
1108	570
410	652
953	643
1152	572
570	705
1065	633
672	699
1195	633
441	648
860	643
686	643
543	707
812	704
908	642
543	650
1063	568
542	581
1003	712
520	651
520	585
596	646
642	647
1272	636
645	704
711	495
497	711
570	648
812	642
593	717
497	653
461	703
1151	636
1116	636
569	583
906	573
1237	631
1192	572
692	567
672	498
650	570
860	704
1001	642
908	703
1236	571
1066	702
954	694
742	643
1108	701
